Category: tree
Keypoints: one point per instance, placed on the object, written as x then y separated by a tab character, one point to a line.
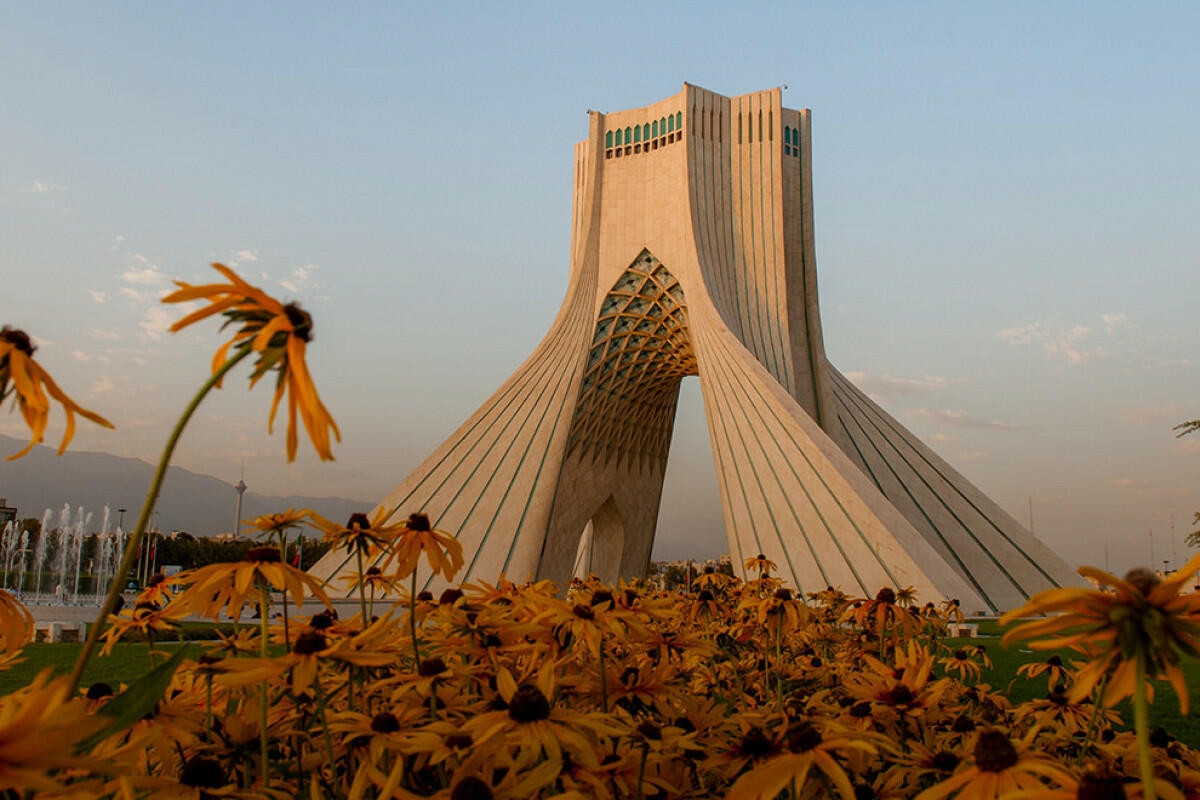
1193	538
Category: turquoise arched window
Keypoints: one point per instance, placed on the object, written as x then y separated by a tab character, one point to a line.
637	133
662	126
646	131
679	120
608	139
654	129
795	137
617	138
671	123
628	135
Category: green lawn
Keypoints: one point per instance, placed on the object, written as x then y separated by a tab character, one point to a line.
1003	676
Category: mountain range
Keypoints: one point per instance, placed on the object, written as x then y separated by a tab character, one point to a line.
199	504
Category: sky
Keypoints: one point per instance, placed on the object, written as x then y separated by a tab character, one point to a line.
1006	204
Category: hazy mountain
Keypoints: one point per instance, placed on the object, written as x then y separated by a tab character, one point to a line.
200	504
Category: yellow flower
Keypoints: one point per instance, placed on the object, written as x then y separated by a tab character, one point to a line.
442	551
16	629
360	534
39	729
31	383
279	334
237	584
277	523
807	746
1138	618
1000	767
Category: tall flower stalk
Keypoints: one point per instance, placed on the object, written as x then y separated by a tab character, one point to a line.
277	334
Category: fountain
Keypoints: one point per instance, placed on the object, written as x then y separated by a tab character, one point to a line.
59	552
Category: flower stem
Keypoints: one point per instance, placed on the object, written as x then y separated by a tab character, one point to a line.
135	540
264	610
1141	723
412	620
362	591
604	681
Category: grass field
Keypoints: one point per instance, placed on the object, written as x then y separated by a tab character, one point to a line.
1006	661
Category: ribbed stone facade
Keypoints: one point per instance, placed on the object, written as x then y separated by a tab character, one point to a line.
692	254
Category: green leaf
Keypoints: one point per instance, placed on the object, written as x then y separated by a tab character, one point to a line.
137	701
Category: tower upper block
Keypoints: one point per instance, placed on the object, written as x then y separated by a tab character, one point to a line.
692	254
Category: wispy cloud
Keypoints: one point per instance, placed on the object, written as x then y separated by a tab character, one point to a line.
144	276
886	386
1056	340
39	188
1116	321
300	279
960	419
98	296
243	257
102	386
155	321
103	335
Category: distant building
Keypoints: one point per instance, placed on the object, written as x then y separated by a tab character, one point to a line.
7	513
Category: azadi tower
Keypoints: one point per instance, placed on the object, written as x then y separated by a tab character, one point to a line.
692	254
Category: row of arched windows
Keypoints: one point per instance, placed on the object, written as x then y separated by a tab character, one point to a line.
635	134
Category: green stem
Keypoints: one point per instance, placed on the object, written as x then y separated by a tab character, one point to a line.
642	771
362	590
135	540
779	664
264	610
412	620
1141	723
603	680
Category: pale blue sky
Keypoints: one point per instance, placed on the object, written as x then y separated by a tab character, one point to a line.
1006	209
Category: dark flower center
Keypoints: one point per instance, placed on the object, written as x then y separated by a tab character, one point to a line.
1159	737
803	737
459	741
309	643
816	661
601	596
471	788
301	321
945	761
886	595
18	339
155	579
705	596
359	521
583	612
963	724
1143	579
1054	661
860	710
449	596
528	704
900	696
420	522
99	689
755	743
373	571
783	594
425	596
385	722
960	655
630	676
994	751
203	773
431	667
262	555
321	621
650	731
864	792
1100	785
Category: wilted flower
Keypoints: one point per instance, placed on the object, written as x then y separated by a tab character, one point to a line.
22	375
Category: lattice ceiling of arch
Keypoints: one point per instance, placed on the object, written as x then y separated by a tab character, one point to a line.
640	351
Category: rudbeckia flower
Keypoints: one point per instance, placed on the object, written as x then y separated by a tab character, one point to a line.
21	375
1141	618
279	334
999	767
417	536
807	746
237	584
